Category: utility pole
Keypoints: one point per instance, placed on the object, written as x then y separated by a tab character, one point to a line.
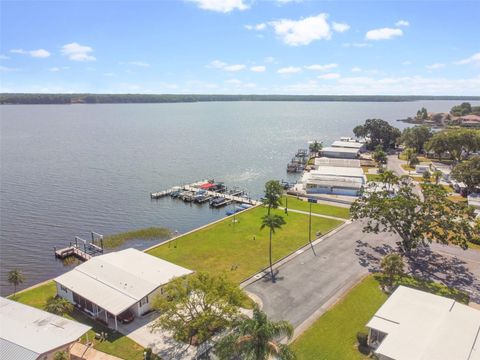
310	229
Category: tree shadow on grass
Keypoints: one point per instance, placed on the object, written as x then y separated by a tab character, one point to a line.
424	264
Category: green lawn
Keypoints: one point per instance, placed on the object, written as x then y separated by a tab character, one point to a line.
116	344
240	249
373	177
333	335
323	209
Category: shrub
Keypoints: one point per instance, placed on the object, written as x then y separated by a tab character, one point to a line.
362	338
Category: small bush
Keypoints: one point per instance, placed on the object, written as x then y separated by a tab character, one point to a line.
362	338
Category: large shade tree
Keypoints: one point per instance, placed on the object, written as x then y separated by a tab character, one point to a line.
256	339
196	306
416	221
379	132
416	137
468	172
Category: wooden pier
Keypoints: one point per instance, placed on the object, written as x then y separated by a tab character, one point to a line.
192	189
72	251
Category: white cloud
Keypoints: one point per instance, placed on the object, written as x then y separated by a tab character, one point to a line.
474	59
217	64
289	70
288	1
303	31
435	66
38	53
355	69
77	52
407	62
329	76
54	69
259	68
257	27
223	6
340	27
235	67
269	59
364	85
319	67
404	23
383	34
139	63
109	74
3	57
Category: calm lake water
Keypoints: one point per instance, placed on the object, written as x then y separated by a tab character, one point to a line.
69	169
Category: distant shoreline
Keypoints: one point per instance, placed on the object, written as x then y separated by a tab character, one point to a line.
82	98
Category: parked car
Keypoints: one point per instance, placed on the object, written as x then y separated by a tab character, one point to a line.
126	317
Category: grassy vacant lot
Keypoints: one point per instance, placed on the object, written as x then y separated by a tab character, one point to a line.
333	336
240	249
116	344
323	209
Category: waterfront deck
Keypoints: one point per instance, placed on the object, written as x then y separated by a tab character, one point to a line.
72	251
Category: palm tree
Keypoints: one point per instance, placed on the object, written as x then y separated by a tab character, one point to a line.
272	198
392	265
272	222
58	306
257	339
15	278
316	147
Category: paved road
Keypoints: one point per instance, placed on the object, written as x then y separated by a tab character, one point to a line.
308	284
394	164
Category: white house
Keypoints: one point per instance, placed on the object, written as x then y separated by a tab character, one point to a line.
108	285
349	145
324	161
27	333
415	325
339	152
334	180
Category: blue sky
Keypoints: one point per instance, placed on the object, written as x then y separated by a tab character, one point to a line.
241	46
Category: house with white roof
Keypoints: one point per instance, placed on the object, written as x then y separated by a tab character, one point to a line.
109	285
27	333
340	152
415	325
350	145
335	180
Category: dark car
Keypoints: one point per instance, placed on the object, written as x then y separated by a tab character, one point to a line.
126	317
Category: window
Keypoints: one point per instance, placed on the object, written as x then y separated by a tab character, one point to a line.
144	301
63	288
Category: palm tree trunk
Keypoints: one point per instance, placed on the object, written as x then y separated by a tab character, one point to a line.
270	253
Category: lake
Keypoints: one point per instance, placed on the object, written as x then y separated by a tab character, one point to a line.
69	169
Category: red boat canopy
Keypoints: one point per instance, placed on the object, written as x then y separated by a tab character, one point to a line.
207	186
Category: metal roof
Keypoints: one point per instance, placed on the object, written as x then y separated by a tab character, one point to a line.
118	280
339	150
348	144
423	326
27	332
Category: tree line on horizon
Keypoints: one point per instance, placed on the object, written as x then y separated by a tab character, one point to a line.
38	98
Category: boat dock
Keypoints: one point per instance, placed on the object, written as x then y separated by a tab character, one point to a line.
216	194
82	249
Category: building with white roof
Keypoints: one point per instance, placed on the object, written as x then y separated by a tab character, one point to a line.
27	333
336	180
349	145
340	152
415	325
324	161
108	285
